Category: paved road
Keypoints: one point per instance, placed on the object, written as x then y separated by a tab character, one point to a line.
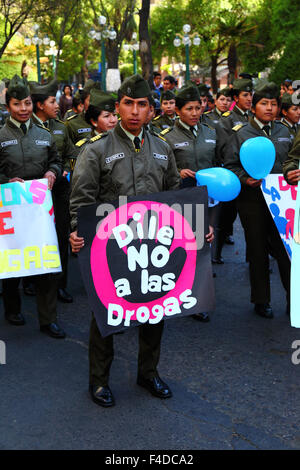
233	380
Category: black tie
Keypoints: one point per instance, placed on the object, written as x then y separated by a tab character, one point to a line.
23	127
137	144
46	124
267	129
193	131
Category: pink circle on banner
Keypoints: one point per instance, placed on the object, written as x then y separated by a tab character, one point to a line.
183	237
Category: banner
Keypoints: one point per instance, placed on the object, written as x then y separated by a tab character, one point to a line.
28	240
146	259
281	200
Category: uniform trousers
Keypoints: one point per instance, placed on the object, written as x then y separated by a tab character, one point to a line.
61	201
101	352
261	235
46	297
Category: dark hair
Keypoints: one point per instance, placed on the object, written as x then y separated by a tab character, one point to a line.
220	93
38	99
69	86
170	78
156	74
257	97
180	102
286	107
76	102
92	113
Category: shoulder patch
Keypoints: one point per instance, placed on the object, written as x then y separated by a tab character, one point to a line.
227	113
165	131
238	127
161	137
98	137
81	142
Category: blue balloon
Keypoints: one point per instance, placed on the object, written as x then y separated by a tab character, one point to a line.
257	156
222	184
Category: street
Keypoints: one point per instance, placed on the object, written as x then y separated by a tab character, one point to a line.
233	381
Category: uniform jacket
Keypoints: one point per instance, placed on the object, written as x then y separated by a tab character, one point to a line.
27	156
109	167
293	158
78	128
194	153
163	122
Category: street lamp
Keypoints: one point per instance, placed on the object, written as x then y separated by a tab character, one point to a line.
103	34
37	42
52	51
134	47
186	40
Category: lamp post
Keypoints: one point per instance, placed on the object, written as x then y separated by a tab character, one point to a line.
186	40
52	51
134	47
37	42
103	34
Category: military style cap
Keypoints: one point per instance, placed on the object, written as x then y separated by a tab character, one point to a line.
287	99
243	84
50	89
203	90
6	81
18	88
189	93
102	100
167	95
267	90
135	87
227	91
88	85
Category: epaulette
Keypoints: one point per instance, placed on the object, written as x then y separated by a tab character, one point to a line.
278	121
81	142
161	137
227	113
207	125
156	118
238	127
72	117
43	127
98	137
165	131
59	120
207	112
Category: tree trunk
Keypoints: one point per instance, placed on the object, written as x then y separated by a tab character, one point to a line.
232	63
145	43
213	73
112	54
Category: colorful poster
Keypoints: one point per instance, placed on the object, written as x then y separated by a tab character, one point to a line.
146	259
281	200
28	240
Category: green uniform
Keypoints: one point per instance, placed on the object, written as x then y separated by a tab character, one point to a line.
3	115
293	158
163	121
211	117
107	168
28	157
292	128
78	128
69	114
259	227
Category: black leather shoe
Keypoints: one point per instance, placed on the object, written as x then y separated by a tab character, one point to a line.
203	316
53	330
15	319
218	260
229	240
264	310
29	290
64	296
102	395
155	386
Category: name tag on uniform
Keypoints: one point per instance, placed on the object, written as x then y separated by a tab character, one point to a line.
237	123
210	141
165	126
117	156
84	129
284	139
159	156
57	131
9	142
43	142
181	144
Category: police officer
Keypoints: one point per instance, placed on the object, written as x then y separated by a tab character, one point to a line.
77	126
77	107
291	170
222	104
97	178
290	113
259	227
46	110
194	146
28	151
167	119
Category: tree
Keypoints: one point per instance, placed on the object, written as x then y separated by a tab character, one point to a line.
145	42
13	15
